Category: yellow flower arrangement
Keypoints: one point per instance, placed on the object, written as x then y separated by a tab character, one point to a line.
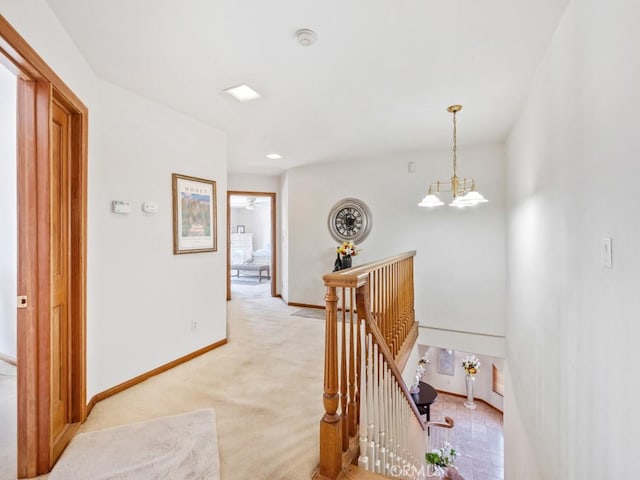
348	249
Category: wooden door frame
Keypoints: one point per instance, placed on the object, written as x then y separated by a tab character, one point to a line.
274	237
38	87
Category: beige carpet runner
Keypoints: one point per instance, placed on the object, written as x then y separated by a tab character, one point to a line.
179	447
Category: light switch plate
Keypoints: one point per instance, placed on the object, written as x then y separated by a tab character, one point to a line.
150	207
607	254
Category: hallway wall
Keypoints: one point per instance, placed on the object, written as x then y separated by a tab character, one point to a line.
573	328
460	253
8	211
141	298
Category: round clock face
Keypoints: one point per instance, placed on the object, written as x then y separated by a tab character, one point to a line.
350	219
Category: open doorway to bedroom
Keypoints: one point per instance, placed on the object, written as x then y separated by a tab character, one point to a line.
251	249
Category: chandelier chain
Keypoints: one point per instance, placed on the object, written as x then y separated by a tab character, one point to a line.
455	159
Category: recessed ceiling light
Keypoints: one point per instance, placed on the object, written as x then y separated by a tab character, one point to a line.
274	156
242	93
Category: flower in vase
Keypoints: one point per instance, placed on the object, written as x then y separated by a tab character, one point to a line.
348	249
471	365
441	458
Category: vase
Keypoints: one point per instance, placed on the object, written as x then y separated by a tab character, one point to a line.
337	265
346	261
470	380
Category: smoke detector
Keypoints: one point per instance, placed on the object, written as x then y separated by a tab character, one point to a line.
306	37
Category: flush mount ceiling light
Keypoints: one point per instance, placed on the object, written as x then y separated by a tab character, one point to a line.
463	190
242	93
306	37
274	156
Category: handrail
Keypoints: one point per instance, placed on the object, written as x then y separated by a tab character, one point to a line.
375	303
356	276
382	346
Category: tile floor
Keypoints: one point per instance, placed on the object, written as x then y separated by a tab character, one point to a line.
477	435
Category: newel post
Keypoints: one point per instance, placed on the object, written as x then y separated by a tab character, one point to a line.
331	424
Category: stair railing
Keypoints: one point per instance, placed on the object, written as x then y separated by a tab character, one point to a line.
370	417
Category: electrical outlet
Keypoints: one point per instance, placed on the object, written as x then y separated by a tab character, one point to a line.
194	325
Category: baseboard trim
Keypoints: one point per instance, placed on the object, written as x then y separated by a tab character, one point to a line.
475	398
305	305
8	359
152	373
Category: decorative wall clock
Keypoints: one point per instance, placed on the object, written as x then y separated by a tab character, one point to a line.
350	219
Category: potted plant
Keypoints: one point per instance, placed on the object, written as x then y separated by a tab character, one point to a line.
441	459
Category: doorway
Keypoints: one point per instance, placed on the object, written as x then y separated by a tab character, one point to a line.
8	276
51	190
251	244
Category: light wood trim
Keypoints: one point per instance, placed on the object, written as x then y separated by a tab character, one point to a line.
274	239
151	373
37	85
305	305
27	318
357	276
448	423
27	62
407	346
43	247
331	424
8	359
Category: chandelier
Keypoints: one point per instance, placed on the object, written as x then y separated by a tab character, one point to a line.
463	190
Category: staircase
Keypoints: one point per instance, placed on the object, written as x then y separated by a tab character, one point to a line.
371	428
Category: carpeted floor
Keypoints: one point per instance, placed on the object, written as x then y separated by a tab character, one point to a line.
317	313
166	448
265	386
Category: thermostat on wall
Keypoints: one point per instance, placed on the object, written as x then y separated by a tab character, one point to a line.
119	206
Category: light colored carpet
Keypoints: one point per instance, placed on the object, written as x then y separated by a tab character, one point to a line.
175	447
265	386
317	313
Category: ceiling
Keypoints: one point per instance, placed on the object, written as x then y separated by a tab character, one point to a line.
377	81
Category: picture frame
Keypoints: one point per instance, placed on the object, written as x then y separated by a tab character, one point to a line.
194	214
240	229
446	361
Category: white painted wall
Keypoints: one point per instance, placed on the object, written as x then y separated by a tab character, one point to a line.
256	221
8	209
573	329
459	268
141	297
284	236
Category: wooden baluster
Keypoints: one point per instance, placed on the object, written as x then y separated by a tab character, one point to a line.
363	459
343	375
330	425
353	419
360	360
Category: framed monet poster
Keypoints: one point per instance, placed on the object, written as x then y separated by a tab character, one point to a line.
194	215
